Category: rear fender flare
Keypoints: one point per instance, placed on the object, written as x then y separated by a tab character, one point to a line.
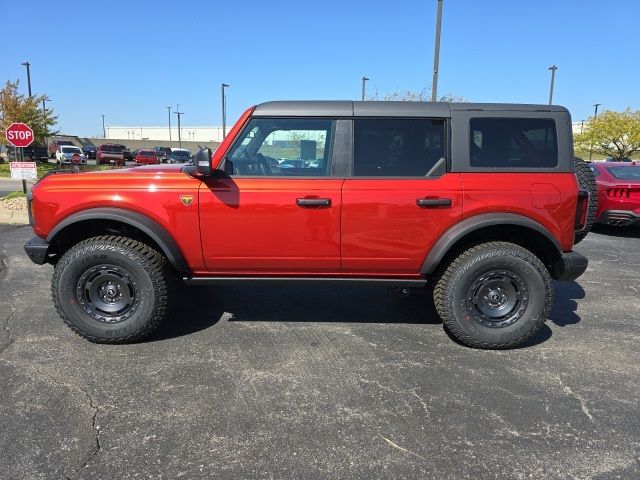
471	224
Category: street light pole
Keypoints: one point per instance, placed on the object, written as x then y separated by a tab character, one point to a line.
553	69
364	80
595	115
179	134
104	131
436	54
224	111
169	109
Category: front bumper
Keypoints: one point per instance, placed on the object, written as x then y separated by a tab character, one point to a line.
37	249
570	266
619	218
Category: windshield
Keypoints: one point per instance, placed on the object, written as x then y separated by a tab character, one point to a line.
147	153
181	154
71	150
625	173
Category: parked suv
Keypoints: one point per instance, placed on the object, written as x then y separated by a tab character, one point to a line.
479	202
56	144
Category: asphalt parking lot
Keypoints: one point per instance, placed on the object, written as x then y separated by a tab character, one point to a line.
311	382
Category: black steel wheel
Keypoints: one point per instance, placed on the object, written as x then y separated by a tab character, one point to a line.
112	289
494	295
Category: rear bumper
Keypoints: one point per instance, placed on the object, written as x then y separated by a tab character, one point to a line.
620	218
570	266
37	249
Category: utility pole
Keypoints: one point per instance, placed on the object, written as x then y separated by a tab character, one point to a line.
104	131
27	64
33	146
44	111
224	111
179	134
436	54
169	109
553	69
364	80
595	115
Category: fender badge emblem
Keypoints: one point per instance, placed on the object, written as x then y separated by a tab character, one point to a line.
186	199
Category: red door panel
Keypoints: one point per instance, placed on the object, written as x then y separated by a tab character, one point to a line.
257	225
383	229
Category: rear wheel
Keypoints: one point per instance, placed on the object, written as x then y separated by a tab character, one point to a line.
112	289
587	182
494	295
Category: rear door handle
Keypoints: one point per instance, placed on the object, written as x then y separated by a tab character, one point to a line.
313	202
433	202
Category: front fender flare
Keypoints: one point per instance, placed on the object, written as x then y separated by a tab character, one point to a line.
137	220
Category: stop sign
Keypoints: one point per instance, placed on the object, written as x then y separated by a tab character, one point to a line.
19	134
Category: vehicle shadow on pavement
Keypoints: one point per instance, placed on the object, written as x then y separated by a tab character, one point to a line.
202	307
565	305
623	232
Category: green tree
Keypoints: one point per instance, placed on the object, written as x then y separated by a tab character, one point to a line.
423	95
15	107
613	134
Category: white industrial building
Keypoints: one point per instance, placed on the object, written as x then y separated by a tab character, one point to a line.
187	134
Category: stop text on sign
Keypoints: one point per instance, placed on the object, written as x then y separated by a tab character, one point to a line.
19	135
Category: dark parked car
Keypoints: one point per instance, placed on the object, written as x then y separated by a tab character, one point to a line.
163	153
179	155
90	151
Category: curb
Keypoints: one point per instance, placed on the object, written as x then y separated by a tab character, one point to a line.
14	217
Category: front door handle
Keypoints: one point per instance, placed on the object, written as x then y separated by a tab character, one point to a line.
433	202
313	202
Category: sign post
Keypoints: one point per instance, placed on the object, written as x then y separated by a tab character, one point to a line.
20	135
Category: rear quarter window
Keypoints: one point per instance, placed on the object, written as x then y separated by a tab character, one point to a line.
513	143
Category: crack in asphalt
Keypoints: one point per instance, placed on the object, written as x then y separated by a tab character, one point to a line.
583	405
92	405
6	328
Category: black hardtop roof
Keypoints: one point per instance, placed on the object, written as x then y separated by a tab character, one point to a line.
346	108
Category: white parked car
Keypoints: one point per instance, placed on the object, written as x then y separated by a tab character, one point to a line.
66	153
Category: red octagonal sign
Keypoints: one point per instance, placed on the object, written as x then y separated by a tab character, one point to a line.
19	134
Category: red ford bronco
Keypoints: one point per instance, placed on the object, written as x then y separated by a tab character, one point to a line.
480	202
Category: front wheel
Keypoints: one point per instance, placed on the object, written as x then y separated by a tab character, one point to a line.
494	295
112	289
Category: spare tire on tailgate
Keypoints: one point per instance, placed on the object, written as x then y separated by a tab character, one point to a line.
587	182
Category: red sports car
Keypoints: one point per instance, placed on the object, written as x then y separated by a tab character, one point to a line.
618	192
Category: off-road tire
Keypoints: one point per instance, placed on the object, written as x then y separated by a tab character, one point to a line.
587	182
147	284
455	284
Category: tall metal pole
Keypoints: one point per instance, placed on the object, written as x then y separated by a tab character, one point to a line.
224	111
104	131
595	115
169	109
436	54
27	64
364	80
179	133
553	69
33	146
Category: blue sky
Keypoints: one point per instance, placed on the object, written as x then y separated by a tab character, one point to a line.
130	59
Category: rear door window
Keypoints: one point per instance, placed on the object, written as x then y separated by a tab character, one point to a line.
397	147
513	143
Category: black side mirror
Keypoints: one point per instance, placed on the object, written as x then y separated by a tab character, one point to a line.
203	162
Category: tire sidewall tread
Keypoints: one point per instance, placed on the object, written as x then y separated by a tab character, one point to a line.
148	267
